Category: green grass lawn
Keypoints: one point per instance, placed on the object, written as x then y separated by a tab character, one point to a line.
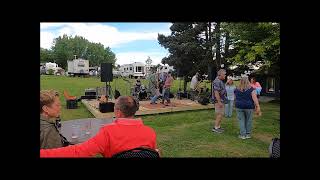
183	134
188	134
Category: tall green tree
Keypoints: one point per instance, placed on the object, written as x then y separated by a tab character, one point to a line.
196	45
62	50
65	47
185	48
256	43
46	55
109	56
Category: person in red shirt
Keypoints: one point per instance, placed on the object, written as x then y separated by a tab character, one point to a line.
123	134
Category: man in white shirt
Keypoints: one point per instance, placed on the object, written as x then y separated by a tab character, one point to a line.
194	82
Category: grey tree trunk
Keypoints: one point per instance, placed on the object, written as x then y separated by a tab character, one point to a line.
218	55
185	83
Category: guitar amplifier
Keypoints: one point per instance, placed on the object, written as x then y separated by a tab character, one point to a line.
72	104
90	92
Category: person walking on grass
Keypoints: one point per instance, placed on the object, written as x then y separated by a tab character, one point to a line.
255	85
230	87
246	102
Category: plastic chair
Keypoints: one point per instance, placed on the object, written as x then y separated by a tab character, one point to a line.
67	95
274	148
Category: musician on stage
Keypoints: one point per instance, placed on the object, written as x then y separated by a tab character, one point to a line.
162	80
193	84
154	86
137	86
166	89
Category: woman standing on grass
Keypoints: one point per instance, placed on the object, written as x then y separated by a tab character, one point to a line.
230	87
246	102
256	85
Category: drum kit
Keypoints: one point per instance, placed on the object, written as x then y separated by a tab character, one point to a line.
140	92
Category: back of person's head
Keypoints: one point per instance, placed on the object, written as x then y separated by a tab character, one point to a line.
244	83
127	105
47	97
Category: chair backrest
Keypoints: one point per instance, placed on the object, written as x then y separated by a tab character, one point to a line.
140	152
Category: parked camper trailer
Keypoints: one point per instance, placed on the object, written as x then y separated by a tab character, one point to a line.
78	67
47	66
116	73
42	68
133	70
165	68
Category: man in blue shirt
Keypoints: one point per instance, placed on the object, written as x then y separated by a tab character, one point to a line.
219	96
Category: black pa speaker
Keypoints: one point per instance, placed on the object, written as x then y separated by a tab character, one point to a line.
106	107
106	72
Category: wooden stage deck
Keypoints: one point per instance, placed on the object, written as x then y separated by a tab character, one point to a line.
146	108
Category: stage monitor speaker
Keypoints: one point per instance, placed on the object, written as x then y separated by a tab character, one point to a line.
106	107
106	72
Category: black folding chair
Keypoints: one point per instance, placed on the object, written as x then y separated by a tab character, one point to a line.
274	148
140	152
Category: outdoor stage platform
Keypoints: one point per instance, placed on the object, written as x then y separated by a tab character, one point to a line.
146	108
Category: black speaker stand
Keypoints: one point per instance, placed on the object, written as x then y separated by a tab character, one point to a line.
109	90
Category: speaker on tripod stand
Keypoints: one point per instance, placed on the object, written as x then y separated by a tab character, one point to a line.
107	76
211	76
180	93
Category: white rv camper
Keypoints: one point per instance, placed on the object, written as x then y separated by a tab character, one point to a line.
78	67
134	70
126	70
165	68
52	66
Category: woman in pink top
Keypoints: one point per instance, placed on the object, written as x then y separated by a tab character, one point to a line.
255	85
